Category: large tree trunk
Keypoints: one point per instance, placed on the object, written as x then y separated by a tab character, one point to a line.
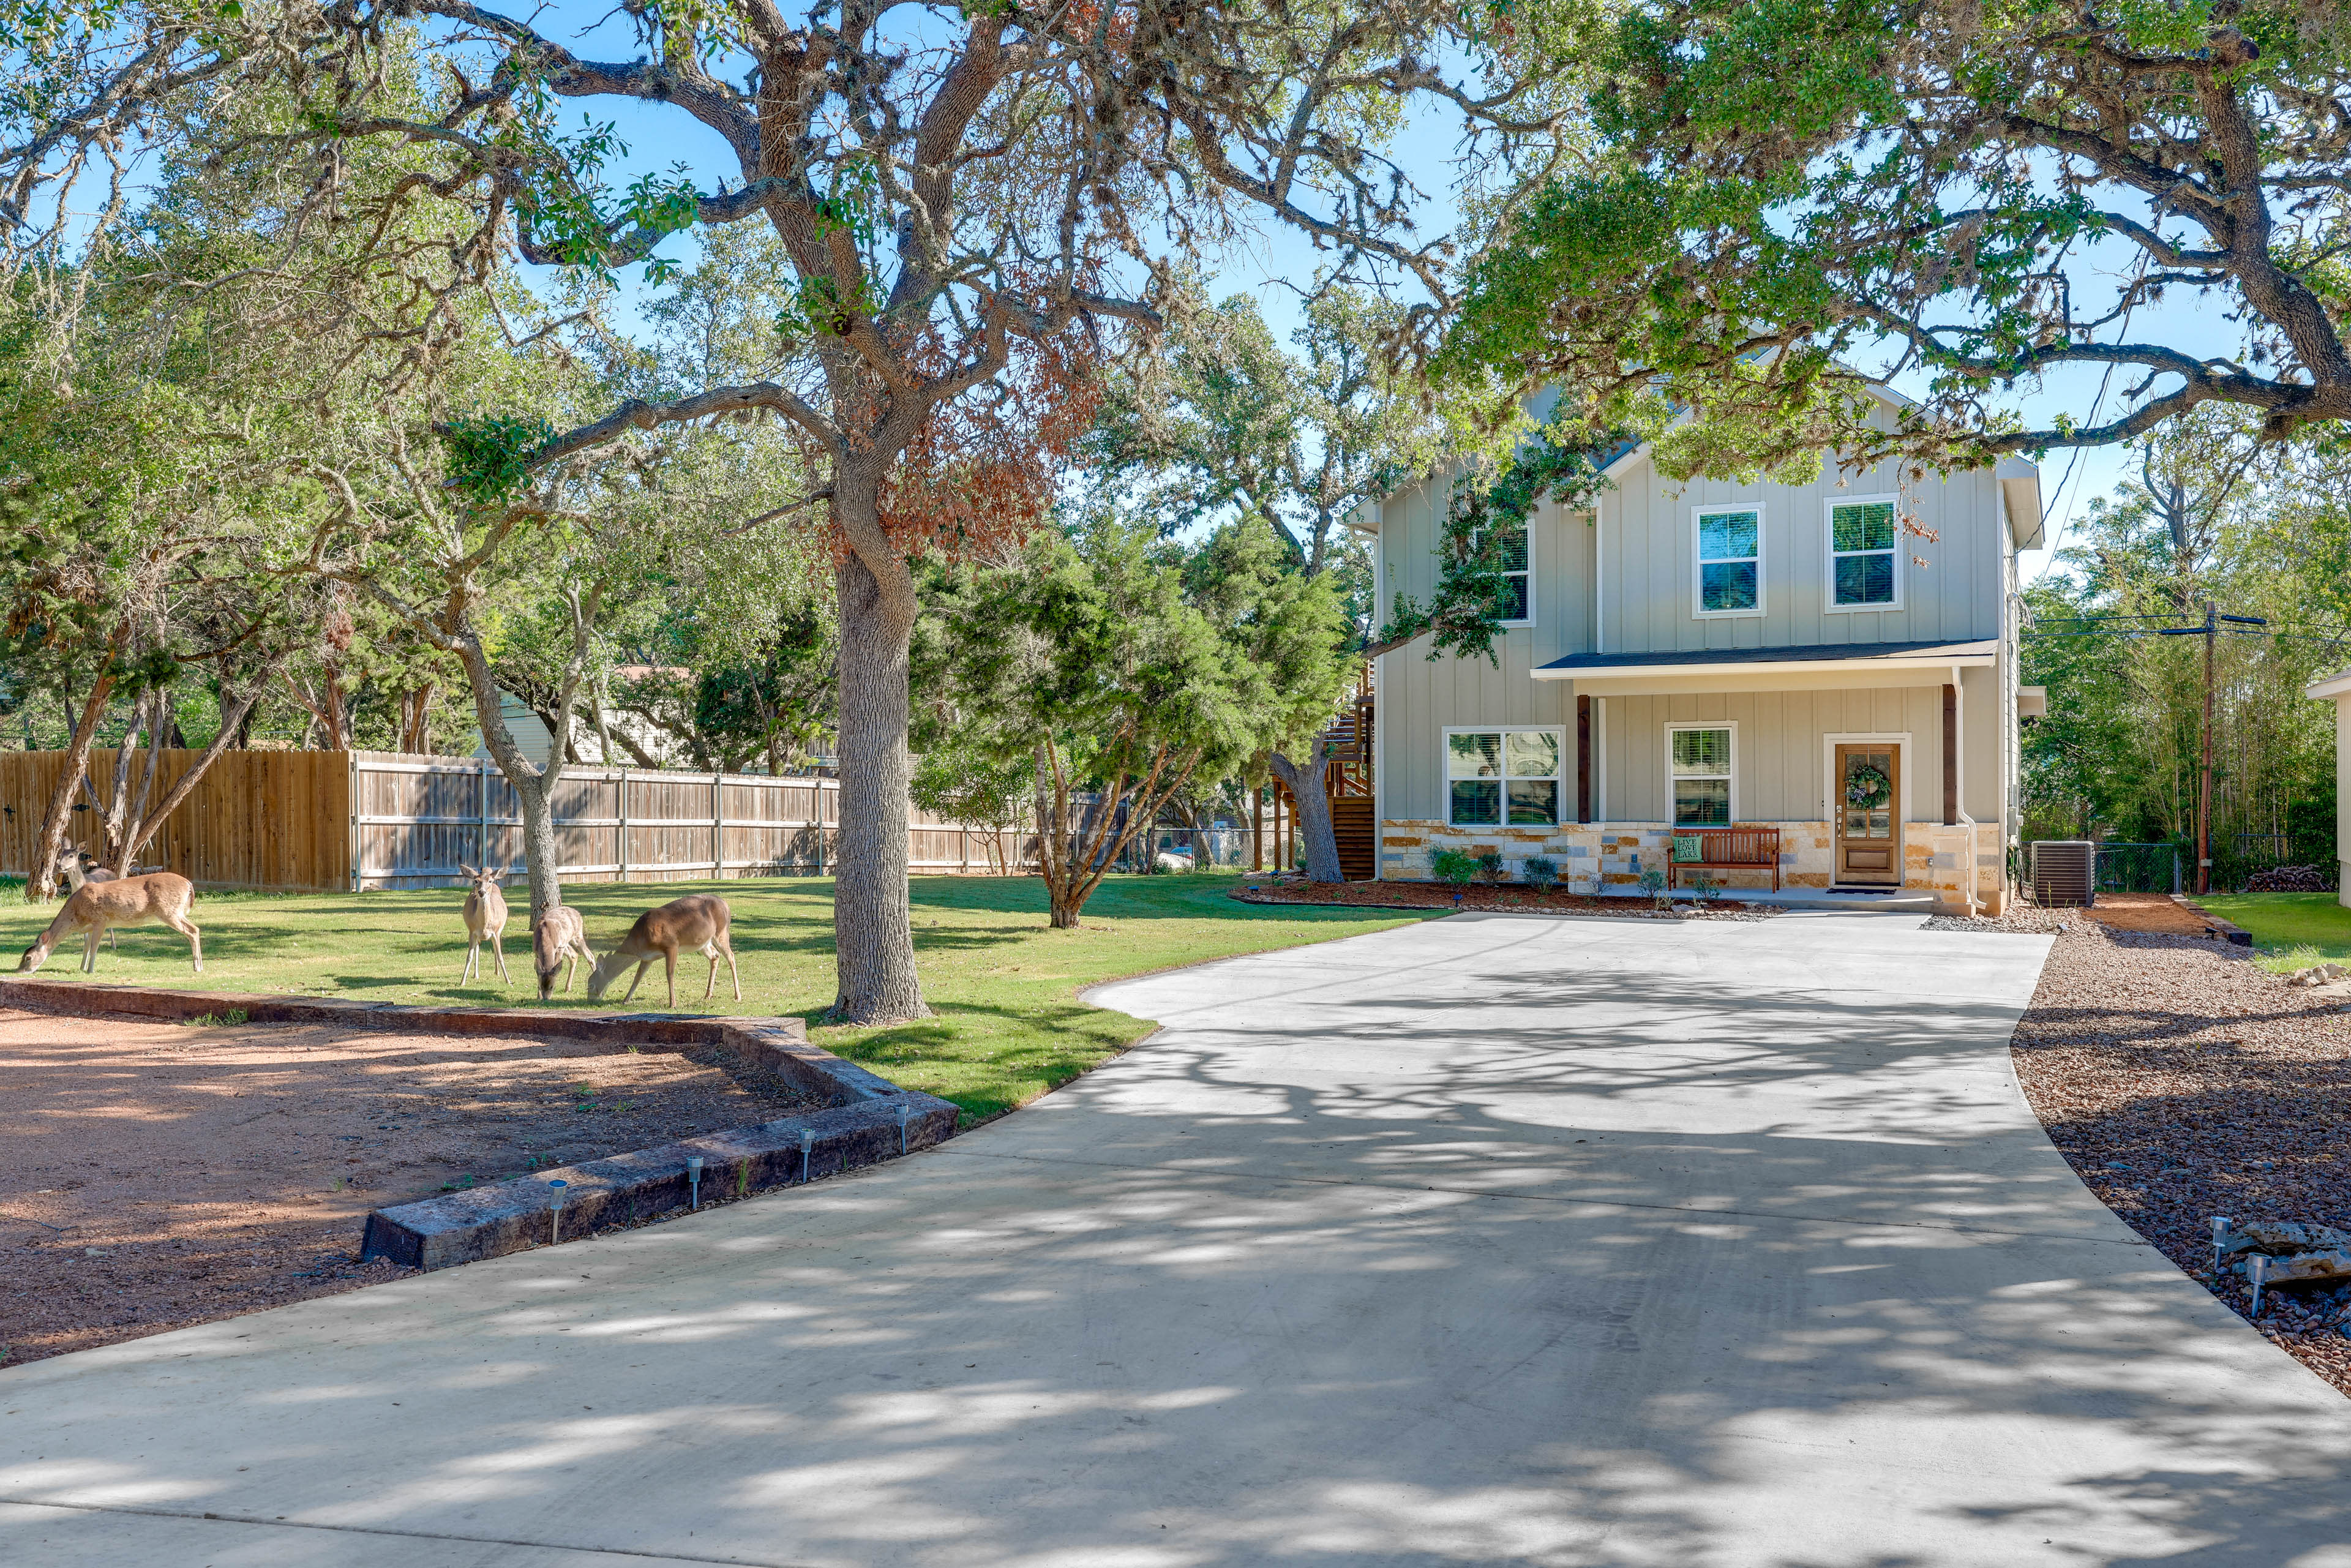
531	785
872	925
41	878
1314	828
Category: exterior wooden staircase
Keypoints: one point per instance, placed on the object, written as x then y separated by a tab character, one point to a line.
1347	785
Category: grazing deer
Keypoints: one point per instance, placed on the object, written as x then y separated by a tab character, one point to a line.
696	923
486	916
559	941
97	908
76	866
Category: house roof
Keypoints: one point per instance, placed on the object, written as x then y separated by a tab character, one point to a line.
1692	662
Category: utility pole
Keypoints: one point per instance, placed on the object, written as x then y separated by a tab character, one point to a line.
2204	782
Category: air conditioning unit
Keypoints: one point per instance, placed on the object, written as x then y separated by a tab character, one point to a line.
2064	873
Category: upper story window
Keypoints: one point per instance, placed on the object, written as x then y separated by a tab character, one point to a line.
1494	777
1730	560
1864	570
1515	604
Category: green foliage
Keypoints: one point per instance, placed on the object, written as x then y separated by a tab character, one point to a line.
1653	883
1540	872
1489	866
1456	866
490	455
1783	186
1482	538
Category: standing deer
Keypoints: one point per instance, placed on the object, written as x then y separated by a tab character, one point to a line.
696	923
559	941
485	916
97	908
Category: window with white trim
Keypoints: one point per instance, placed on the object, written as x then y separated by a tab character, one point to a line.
1862	571
1514	605
1698	759
1498	777
1730	562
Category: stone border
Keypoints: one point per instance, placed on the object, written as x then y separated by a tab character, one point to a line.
1747	909
2228	929
879	1120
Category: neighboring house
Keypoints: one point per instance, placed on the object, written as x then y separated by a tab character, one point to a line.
1703	654
535	741
531	736
2337	689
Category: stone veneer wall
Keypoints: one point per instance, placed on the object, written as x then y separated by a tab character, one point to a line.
1618	853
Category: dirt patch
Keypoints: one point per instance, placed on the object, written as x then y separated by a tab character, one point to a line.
157	1175
2149	912
2183	1081
1478	895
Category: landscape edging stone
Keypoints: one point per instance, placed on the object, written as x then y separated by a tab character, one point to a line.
509	1216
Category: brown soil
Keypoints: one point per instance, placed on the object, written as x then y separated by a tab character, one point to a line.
2149	912
1478	895
2183	1081
156	1175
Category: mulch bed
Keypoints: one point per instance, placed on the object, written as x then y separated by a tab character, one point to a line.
2183	1081
153	1175
1480	895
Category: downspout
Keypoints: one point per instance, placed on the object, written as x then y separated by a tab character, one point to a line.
1959	767
1599	580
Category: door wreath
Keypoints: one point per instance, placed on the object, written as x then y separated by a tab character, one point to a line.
1866	787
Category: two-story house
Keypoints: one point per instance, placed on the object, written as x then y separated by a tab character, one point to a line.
1837	660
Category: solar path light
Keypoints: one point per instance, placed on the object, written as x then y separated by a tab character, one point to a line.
556	1190
694	1177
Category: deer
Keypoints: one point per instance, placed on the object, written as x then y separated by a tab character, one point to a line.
485	916
77	867
559	941
98	907
696	923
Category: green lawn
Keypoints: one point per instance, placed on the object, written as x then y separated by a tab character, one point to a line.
2291	930
1003	983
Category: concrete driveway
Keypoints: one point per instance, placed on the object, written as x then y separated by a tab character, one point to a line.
1501	1239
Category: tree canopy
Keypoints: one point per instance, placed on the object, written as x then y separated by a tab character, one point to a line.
1797	198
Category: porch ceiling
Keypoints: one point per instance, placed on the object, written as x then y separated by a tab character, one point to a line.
1821	666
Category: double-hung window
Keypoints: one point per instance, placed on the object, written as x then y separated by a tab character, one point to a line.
1498	777
1730	560
1514	602
1698	759
1864	573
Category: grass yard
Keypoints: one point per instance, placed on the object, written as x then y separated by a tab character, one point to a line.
1002	982
2291	930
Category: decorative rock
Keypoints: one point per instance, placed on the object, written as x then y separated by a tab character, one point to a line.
2281	1238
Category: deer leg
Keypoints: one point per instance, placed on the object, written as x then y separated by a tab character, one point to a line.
669	967
732	972
187	928
634	980
711	954
498	951
90	950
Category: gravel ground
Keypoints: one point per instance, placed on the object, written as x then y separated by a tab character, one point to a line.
2182	1080
157	1175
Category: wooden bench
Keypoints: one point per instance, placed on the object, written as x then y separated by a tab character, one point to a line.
1726	849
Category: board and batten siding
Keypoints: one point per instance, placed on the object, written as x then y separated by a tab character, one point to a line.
1780	758
1950	582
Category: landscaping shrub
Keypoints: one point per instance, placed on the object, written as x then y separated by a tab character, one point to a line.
1541	873
1454	866
1489	866
1653	883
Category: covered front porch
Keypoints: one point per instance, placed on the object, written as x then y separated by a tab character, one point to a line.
1868	767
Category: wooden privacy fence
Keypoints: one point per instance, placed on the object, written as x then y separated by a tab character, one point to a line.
359	819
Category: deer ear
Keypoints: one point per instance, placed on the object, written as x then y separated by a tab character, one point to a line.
466	870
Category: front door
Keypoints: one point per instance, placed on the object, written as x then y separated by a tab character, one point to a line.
1868	830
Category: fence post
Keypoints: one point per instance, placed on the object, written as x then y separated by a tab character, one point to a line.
718	827
622	853
351	774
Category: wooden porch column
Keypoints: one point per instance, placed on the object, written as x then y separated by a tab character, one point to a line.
1950	756
1583	760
